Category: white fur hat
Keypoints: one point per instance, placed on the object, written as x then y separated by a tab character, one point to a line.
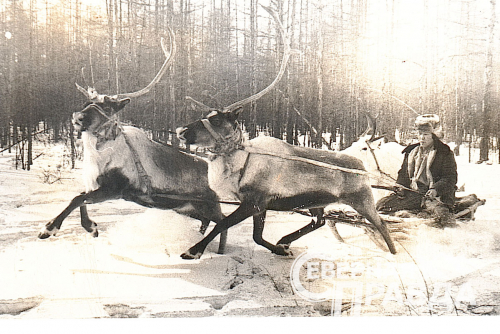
430	123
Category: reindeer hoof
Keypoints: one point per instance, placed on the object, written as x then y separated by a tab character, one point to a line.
92	229
283	250
46	233
43	235
188	256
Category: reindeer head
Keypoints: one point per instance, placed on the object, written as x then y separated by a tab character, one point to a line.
95	114
217	130
100	109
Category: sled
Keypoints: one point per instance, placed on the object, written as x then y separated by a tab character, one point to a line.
400	223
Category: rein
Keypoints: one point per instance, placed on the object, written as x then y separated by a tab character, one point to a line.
306	160
372	151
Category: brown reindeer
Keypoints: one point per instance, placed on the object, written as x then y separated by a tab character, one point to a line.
268	174
122	162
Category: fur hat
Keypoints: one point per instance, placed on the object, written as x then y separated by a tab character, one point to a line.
428	123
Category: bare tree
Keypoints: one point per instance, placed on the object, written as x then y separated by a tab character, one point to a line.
487	98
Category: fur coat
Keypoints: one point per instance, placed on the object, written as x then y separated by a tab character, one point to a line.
442	167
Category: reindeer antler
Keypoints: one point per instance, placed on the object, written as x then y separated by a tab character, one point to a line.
163	69
286	56
92	94
372	125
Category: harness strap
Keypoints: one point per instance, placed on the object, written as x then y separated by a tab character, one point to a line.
208	126
243	170
144	178
220	139
223	145
306	160
99	109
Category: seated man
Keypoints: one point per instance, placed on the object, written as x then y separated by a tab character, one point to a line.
428	177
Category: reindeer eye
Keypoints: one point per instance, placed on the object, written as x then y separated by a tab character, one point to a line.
215	121
364	149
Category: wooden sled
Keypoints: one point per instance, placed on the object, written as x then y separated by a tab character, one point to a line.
399	224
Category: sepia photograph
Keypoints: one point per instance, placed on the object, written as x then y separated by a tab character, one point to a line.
215	160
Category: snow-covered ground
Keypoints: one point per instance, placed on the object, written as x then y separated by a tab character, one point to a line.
133	268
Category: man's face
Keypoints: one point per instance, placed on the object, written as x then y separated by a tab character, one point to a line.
425	139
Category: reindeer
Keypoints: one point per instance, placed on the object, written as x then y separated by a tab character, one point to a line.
382	160
121	162
266	173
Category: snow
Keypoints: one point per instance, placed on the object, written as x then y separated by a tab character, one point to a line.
133	269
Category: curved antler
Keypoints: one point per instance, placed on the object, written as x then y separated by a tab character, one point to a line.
92	94
202	106
163	69
83	90
371	127
286	55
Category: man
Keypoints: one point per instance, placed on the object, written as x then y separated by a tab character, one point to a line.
428	177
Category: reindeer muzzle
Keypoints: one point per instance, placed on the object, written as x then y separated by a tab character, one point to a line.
77	121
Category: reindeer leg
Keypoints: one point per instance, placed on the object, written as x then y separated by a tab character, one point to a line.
204	225
258	229
313	225
217	216
244	211
222	242
206	212
52	227
222	239
88	224
364	204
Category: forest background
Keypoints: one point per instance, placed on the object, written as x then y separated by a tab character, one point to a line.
392	58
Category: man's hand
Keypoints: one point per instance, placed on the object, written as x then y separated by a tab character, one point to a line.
431	193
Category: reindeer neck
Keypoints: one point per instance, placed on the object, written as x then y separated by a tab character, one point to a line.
225	172
228	145
108	131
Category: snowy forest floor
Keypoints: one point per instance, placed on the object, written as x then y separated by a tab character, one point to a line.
133	269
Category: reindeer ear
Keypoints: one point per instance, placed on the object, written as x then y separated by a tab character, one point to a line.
233	115
120	104
237	111
115	103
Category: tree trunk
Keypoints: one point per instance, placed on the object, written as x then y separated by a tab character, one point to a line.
290	82
487	103
111	56
253	49
319	80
